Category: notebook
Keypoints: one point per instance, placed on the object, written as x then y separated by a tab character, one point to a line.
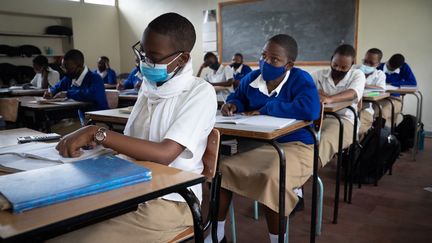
257	121
42	187
47	151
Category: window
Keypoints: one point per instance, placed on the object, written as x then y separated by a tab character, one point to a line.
102	2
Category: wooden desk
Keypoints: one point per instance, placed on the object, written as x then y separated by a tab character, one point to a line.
41	116
419	112
381	96
110	86
127	97
112	116
270	136
26	92
332	109
43	223
9	137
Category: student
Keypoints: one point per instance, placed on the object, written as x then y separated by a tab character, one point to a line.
375	79
219	75
240	70
336	84
166	126
79	83
45	76
398	73
276	89
105	72
57	65
133	81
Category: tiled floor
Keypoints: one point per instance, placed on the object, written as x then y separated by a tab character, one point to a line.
398	210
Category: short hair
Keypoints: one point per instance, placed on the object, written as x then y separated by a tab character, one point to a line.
288	43
239	55
209	55
41	61
345	50
377	52
396	61
178	28
105	58
75	56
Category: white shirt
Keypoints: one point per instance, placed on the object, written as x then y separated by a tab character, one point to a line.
239	69
354	79
385	69
223	74
102	74
183	110
260	84
78	82
53	78
376	78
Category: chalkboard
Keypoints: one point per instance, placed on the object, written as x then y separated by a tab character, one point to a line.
318	26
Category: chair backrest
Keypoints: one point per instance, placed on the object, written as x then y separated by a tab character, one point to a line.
112	98
9	109
210	156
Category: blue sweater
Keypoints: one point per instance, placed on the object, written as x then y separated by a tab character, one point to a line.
298	99
132	79
245	70
404	77
91	90
110	78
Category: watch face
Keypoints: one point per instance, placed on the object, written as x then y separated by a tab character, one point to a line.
100	136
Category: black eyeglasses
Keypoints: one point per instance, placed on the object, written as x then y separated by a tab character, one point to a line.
140	55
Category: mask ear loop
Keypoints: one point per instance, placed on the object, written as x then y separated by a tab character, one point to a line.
178	68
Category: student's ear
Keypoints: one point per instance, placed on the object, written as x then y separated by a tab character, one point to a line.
183	59
289	65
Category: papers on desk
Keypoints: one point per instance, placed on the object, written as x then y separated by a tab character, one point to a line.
35	155
40	100
257	121
129	92
410	87
367	90
42	187
391	87
126	110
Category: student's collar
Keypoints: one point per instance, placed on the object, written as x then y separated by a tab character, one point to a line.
220	69
385	69
78	82
260	84
328	77
239	69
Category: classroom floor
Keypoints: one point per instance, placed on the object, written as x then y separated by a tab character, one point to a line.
398	210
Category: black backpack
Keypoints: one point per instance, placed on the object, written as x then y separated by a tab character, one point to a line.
405	132
374	161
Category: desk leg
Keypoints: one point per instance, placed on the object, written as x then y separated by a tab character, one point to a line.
282	182
378	131
314	185
195	208
338	167
351	154
392	127
417	122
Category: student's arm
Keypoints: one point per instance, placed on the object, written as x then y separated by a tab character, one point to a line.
128	83
238	98
201	68
354	90
44	83
112	77
379	83
60	86
408	76
227	83
304	106
33	82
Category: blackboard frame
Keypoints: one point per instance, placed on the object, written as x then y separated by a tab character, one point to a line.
297	63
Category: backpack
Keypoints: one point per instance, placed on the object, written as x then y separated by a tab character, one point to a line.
374	161
405	132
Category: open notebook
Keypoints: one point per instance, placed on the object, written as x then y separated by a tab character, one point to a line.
257	121
42	187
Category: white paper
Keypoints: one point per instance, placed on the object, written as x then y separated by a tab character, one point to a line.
256	121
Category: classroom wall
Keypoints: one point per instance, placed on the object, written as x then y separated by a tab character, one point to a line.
391	25
96	27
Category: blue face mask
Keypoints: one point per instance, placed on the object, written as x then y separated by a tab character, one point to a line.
367	69
158	73
270	72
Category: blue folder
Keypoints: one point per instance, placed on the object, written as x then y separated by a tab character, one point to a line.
42	187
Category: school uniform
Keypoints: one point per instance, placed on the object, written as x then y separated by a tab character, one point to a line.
171	111
53	78
133	78
108	76
241	71
376	78
223	74
88	87
329	139
400	76
255	174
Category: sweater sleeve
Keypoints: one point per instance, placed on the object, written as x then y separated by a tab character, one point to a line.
239	97
60	86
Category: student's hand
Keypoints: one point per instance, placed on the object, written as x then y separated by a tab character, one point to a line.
47	95
321	92
71	144
251	113
120	86
205	64
62	94
44	72
138	85
228	109
326	99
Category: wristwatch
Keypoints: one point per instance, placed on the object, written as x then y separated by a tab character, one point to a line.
100	135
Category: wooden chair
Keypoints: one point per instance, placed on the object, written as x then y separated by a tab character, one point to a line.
112	98
210	160
9	109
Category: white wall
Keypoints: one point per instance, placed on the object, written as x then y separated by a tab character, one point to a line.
96	27
391	25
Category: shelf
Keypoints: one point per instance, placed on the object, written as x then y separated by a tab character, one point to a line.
20	34
51	55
